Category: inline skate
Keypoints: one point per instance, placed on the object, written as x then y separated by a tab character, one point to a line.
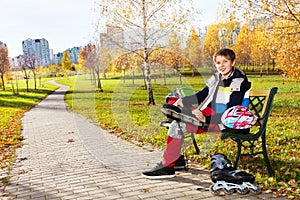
228	179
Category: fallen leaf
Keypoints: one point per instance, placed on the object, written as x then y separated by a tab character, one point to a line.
6	194
71	140
23	171
293	183
145	190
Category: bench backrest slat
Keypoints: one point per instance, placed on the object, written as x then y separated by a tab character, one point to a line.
260	104
258	101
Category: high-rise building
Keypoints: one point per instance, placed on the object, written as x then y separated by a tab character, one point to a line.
57	58
73	52
38	48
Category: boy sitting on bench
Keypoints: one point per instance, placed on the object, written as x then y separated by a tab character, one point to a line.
226	88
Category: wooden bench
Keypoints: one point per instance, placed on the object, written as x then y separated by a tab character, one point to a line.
260	104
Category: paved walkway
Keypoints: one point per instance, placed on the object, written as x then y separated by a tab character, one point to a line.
65	156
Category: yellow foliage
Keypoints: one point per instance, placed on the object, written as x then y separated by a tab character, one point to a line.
66	61
212	42
157	56
193	49
279	33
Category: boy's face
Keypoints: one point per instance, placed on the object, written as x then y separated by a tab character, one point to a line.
224	65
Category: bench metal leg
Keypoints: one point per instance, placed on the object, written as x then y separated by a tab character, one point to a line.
266	158
238	154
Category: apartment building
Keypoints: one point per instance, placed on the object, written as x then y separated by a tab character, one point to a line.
73	52
39	48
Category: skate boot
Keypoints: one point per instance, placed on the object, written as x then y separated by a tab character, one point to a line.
228	179
180	164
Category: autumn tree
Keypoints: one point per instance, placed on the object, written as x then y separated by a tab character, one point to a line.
81	59
242	45
66	62
282	18
53	70
145	23
98	65
193	49
32	62
29	62
4	64
159	57
211	42
260	47
170	59
124	63
286	49
93	58
83	56
24	68
173	45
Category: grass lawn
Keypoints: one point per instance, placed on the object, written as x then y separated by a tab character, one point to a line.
122	109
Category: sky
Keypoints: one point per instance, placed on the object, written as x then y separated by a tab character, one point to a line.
63	23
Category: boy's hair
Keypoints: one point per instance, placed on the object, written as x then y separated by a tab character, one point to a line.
228	53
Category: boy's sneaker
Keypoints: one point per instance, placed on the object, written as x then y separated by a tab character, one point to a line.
159	172
180	163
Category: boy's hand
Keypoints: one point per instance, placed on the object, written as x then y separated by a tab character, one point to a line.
199	115
178	102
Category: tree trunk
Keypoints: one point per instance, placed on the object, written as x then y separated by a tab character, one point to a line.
34	78
13	87
193	71
99	86
164	72
180	77
104	74
247	65
27	84
3	84
132	76
17	85
267	66
144	77
261	68
146	55
26	78
154	75
124	76
273	64
149	85
91	76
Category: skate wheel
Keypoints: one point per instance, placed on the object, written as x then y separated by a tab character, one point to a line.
228	191
213	191
243	191
256	191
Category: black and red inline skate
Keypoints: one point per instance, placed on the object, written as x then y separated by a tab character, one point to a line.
228	179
